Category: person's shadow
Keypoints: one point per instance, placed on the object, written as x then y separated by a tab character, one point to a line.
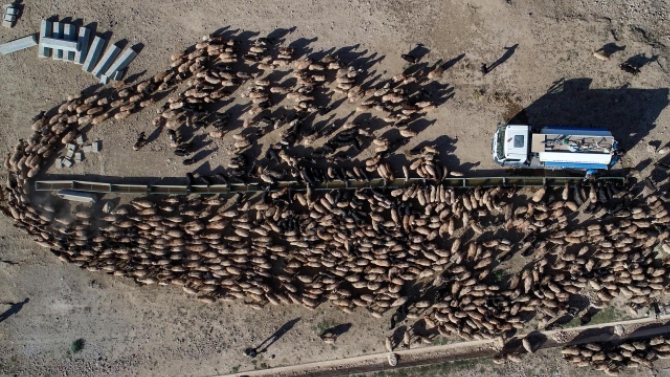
15	308
252	352
508	54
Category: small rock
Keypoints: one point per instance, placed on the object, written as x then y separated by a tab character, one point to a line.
663	151
651	148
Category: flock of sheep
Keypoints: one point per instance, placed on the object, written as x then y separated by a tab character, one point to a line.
611	357
427	252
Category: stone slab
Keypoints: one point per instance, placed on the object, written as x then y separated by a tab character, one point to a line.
93	54
60	44
18	44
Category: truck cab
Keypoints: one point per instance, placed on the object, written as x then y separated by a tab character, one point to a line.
585	149
510	145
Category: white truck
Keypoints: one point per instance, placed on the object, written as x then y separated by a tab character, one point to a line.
585	149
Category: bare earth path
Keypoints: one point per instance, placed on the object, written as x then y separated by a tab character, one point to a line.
633	329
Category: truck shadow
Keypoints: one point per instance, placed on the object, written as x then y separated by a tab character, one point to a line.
629	113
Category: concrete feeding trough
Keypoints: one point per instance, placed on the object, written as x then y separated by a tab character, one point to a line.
122	62
77	196
78	156
87	149
83	39
79	140
71	147
96	146
106	60
18	44
93	54
45	32
67	162
9	15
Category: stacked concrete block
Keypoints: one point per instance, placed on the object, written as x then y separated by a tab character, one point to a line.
59	44
70	34
9	15
58	30
45	32
19	44
65	41
75	155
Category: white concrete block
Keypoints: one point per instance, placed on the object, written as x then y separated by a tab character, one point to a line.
45	32
18	44
106	60
67	163
95	146
58	30
83	39
71	146
70	35
122	62
78	156
79	140
9	15
60	44
87	149
93	54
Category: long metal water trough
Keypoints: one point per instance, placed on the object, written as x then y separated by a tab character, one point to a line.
256	187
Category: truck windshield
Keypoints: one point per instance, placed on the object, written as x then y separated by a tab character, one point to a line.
500	150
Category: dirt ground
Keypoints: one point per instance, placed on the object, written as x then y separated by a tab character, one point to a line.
128	330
